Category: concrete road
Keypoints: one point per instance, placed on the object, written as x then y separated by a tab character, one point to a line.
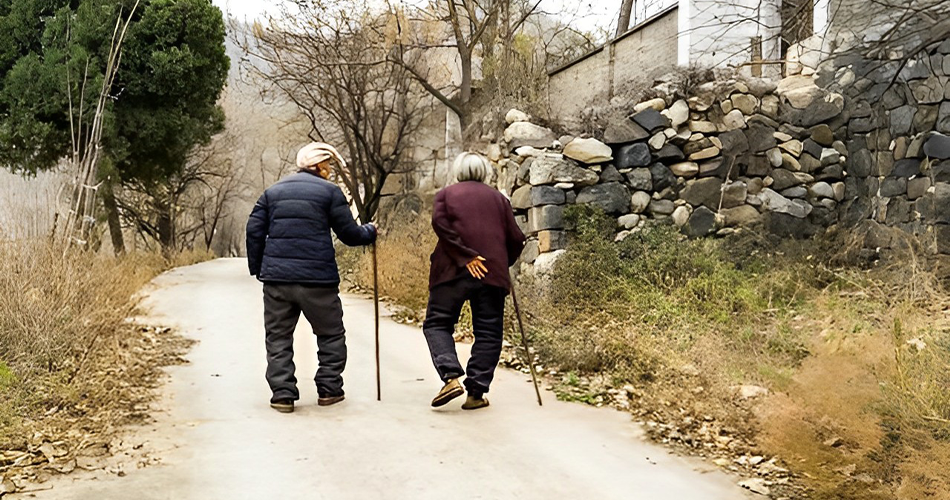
224	442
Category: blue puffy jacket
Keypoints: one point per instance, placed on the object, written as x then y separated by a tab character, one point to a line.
288	232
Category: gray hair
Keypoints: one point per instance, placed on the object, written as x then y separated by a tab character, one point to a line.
471	167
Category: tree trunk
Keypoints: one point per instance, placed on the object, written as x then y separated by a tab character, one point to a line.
623	24
465	94
166	228
112	214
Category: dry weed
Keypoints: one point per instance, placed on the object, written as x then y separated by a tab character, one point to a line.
72	369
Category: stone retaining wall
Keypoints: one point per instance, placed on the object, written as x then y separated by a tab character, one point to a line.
792	157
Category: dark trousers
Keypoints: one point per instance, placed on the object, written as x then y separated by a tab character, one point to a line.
488	311
283	304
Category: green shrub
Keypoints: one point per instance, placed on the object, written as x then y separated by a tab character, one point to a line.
6	376
630	307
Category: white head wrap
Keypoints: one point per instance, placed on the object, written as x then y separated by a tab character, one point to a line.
315	153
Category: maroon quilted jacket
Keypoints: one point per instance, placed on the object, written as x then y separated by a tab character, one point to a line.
473	219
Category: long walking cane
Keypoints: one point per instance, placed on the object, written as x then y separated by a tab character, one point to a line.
379	392
524	341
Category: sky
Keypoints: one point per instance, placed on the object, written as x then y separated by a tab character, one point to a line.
593	14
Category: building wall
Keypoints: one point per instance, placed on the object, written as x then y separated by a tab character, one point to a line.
644	52
647	50
720	33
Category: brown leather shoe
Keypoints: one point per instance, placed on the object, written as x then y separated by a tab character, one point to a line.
473	403
283	405
330	400
451	390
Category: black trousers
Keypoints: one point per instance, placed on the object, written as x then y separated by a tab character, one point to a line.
488	312
283	304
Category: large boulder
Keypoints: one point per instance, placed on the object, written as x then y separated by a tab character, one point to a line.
734	143
800	92
906	168
760	138
546	195
678	113
662	176
744	215
528	134
929	91
733	120
639	202
777	203
651	120
546	170
545	217
521	198
783	179
610	174
734	194
661	207
822	135
640	179
702	222
943	118
941	200
745	103
590	151
622	130
611	197
515	116
826	108
669	153
685	169
821	190
706	192
937	146
901	119
633	156
918	187
656	104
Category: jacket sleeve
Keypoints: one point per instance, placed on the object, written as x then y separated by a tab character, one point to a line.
514	237
257	229
442	224
341	220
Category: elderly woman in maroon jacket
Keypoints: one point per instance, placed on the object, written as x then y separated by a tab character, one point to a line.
478	241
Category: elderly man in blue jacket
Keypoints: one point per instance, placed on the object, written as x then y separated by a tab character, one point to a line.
290	250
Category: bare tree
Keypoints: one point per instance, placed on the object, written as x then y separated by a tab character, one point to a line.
175	212
464	26
623	23
331	60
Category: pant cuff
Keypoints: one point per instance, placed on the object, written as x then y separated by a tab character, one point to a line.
475	389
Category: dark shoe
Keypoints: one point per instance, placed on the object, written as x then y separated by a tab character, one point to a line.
330	400
474	403
283	405
451	390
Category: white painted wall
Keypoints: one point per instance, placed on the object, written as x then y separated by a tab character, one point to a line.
720	32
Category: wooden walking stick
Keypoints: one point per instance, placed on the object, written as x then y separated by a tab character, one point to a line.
379	393
524	341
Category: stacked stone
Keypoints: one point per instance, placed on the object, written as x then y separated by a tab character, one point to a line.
897	136
794	156
737	154
543	175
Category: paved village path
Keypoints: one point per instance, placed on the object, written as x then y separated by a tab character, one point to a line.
218	439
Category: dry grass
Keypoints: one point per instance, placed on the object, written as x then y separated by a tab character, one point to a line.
72	367
403	252
854	351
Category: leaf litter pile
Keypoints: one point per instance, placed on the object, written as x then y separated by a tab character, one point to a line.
118	390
